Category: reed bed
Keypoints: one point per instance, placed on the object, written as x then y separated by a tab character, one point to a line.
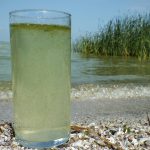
123	36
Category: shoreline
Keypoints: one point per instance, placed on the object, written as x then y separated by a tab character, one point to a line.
94	110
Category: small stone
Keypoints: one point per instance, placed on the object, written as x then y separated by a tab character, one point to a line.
92	124
120	132
130	138
72	148
134	142
6	126
147	143
112	140
80	135
86	147
91	140
113	131
2	128
101	143
136	131
78	144
142	140
86	142
5	138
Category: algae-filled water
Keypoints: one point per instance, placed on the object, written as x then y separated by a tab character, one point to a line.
41	81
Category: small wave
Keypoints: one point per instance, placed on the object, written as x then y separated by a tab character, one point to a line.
92	91
5	95
119	91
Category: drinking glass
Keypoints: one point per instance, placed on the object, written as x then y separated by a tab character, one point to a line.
40	48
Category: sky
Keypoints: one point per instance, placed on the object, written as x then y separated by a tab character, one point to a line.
87	15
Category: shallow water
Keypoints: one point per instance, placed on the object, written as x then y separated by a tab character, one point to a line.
110	78
109	70
93	78
5	66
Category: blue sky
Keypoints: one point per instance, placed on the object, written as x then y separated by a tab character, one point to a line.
87	15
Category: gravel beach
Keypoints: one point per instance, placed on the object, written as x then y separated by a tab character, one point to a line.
103	124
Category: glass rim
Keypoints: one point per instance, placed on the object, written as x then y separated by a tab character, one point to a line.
17	13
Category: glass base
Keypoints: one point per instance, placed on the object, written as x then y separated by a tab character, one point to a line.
41	145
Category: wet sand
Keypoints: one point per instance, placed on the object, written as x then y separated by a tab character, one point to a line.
86	111
105	109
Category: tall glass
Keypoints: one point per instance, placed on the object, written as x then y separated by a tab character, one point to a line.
40	46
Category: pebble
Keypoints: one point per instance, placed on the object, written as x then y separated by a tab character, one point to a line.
147	143
106	135
135	142
78	144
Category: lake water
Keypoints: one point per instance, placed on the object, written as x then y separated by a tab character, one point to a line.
103	77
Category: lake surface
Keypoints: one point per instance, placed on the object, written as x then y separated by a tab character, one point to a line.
5	64
109	70
103	77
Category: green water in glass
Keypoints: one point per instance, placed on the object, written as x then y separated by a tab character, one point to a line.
41	81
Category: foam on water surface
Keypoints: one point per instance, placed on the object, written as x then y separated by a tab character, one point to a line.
120	91
92	91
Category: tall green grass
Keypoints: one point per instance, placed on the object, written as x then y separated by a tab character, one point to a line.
126	36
